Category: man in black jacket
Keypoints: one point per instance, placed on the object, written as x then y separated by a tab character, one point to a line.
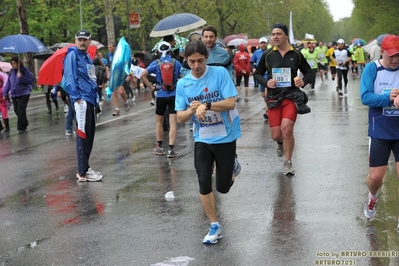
284	100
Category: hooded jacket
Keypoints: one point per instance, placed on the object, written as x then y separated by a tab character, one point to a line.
19	86
79	78
242	61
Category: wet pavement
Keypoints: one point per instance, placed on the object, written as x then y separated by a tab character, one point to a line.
312	218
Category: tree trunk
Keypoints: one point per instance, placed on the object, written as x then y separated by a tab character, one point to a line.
24	29
109	21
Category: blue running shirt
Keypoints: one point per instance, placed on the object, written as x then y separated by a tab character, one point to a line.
215	85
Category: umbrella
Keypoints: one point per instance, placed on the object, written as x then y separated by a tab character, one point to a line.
237	41
381	37
21	43
232	37
50	73
180	43
97	44
177	23
43	55
5	66
358	40
59	45
253	42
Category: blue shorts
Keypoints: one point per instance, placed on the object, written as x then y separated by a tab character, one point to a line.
261	88
380	150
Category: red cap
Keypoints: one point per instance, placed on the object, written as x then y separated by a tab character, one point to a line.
390	44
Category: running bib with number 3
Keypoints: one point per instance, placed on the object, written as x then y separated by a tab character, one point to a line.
282	76
212	126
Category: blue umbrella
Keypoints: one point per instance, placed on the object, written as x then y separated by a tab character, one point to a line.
361	41
20	43
177	23
382	36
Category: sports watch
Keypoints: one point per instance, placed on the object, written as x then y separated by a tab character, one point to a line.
208	105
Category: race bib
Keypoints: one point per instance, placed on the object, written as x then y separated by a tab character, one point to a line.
212	126
91	71
282	76
311	63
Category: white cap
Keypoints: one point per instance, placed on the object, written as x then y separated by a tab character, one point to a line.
263	39
340	41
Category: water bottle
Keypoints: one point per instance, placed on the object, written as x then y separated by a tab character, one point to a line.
108	92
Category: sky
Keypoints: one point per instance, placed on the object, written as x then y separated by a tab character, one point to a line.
340	8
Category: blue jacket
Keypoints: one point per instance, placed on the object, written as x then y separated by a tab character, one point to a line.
79	78
19	86
256	56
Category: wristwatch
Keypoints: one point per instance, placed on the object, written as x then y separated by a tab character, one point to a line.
208	105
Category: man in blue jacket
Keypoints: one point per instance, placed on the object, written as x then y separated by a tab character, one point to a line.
80	81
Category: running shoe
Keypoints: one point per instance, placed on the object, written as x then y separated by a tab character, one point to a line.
340	93
152	102
280	149
116	112
158	150
322	82
369	208
127	107
89	177
215	233
171	153
237	167
238	99
246	99
288	170
69	132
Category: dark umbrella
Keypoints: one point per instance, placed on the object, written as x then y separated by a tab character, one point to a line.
177	23
43	55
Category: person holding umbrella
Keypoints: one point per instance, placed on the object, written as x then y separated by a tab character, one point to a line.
20	85
80	81
3	103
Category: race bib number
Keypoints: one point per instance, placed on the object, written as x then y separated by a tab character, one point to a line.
212	126
311	63
91	71
282	76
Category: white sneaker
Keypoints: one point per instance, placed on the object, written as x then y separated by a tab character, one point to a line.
134	98
153	102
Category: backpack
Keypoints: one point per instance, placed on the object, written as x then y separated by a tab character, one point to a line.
167	74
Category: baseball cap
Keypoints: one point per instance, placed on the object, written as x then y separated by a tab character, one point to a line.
340	41
390	44
311	45
83	34
263	39
359	44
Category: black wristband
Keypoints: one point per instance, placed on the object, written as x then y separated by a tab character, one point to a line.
208	105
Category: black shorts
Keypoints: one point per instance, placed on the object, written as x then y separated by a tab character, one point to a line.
380	150
162	103
333	70
246	80
224	155
321	66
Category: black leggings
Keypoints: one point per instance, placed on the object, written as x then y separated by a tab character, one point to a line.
342	73
224	156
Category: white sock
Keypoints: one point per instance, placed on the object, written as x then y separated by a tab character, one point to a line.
373	196
217	223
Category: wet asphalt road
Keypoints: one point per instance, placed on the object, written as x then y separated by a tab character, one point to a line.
312	218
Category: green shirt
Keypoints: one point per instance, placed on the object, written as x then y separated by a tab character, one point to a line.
311	58
322	53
